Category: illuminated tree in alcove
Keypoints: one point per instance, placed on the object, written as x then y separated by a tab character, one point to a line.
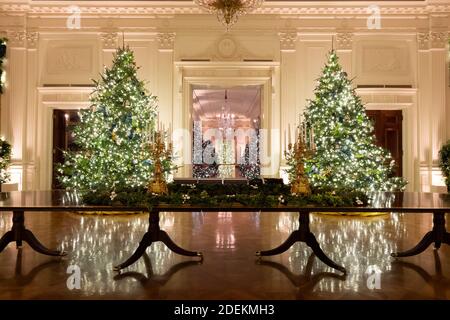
113	132
250	166
346	154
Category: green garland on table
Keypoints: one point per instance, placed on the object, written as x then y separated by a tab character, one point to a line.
252	195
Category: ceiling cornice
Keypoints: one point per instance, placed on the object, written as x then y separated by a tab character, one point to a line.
188	7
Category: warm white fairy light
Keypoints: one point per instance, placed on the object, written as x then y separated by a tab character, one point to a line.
346	155
113	133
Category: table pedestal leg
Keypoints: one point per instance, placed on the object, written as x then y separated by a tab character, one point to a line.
437	236
18	234
155	234
303	234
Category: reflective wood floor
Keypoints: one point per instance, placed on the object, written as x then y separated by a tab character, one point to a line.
230	269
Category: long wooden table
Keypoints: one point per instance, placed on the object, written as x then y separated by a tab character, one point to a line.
20	202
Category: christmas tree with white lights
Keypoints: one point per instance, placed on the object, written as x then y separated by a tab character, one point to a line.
346	155
250	166
113	132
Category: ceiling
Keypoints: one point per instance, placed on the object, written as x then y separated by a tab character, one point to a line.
244	102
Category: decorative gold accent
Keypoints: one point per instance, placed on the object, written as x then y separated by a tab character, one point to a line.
158	150
299	151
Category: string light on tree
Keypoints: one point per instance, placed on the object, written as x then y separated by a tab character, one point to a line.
113	132
346	155
250	166
5	160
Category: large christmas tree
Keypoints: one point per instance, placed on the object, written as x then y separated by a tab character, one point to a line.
346	154
113	132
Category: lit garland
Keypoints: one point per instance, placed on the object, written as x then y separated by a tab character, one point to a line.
114	132
346	155
255	193
2	57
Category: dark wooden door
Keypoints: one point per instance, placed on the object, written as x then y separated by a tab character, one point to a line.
388	132
63	125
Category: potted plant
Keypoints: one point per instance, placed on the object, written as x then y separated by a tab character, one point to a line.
444	163
5	159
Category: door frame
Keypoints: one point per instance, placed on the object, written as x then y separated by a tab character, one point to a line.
392	99
227	74
50	98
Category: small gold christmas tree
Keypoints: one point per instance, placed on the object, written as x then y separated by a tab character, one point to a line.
295	156
159	151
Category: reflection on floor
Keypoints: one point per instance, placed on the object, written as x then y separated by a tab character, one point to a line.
230	269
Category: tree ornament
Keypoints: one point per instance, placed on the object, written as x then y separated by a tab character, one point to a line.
346	156
121	110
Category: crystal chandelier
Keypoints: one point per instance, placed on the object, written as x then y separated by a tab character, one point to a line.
228	11
225	118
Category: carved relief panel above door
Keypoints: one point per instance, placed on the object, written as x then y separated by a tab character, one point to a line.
68	62
226	48
384	62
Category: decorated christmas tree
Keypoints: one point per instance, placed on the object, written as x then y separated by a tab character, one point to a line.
5	159
206	169
113	132
346	155
250	166
226	158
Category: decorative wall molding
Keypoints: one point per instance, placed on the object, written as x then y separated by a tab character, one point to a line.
66	60
344	41
32	39
287	40
271	8
16	38
423	40
386	62
439	39
109	40
228	49
70	61
166	40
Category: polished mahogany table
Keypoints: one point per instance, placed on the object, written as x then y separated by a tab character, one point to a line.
20	201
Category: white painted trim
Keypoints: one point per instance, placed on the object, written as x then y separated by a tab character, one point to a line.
270	109
46	105
409	126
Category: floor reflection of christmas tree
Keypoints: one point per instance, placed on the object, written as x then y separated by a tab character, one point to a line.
107	240
355	243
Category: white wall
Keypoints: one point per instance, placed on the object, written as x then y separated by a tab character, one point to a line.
287	43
